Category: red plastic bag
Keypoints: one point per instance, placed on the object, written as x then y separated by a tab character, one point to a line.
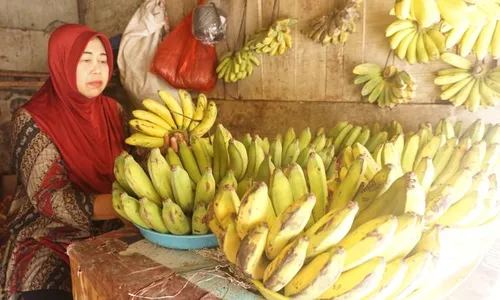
183	61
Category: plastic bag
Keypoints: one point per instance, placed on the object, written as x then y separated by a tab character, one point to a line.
185	62
138	45
209	24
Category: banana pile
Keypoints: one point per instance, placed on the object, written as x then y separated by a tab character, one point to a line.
237	66
388	86
336	27
273	41
414	43
368	230
170	122
470	25
468	84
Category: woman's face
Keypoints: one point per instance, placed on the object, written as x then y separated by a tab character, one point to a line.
92	71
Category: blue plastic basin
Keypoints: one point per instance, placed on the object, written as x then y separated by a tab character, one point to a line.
183	242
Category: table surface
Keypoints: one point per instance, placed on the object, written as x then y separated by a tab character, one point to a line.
124	254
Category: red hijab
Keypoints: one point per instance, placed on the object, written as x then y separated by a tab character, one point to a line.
88	132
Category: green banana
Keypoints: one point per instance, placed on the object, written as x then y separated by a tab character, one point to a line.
151	214
131	208
317	182
175	219
139	181
205	188
181	186
238	158
280	191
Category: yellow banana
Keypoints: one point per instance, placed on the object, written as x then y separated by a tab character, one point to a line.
276	151
291	153
181	187
255	157
143	140
330	229
305	138
160	173
151	117
131	208
198	224
474	157
160	110
139	181
380	182
425	173
265	170
297	180
117	190
429	149
420	265
358	282
350	185
119	172
317	184
453	164
189	161
199	112
172	158
230	240
205	188
280	191
148	128
175	219
224	202
317	275
201	154
443	156
174	107
407	235
250	257
151	214
187	108
253	209
208	120
391	280
464	211
409	154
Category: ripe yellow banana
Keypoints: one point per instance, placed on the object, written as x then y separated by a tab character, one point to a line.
151	117
407	235
250	257
174	107
119	172
205	189
189	161
208	120
420	265
187	108
425	173
231	241
317	275
317	184
253	209
280	191
198	224
199	112
131	208
160	110
391	280
148	128
358	282
224	202
350	185
117	190
143	140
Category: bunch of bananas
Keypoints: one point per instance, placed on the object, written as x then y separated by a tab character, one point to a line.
388	86
472	25
415	43
369	232
468	84
160	123
237	66
273	41
336	27
167	198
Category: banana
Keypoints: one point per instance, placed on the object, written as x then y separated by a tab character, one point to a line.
407	235
425	172
288	225
148	128
341	136
317	275
333	133
491	157
443	156
358	282
380	182
255	157
250	256
201	154
350	138
368	240
485	39
189	161
429	149
207	122
253	209
205	188
463	211
350	185
230	240
229	179
430	241
160	110
117	190
201	106
455	189
330	229
175	219
266	170
280	191
493	135
390	155
393	277
143	140
426	12
224	202
456	61
420	265
297	180
376	140
160	173
119	172
172	158
409	154
151	118
291	154
187	108
469	39
317	184
151	214
276	151
181	187
138	180
288	138
473	158
221	155
398	25
131	208
198	224
453	164
305	138
174	107
286	265
475	131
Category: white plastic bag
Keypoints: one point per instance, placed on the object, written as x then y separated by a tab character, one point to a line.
138	46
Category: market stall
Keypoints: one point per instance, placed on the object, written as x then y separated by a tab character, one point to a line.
315	150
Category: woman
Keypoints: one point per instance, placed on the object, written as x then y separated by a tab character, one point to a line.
64	141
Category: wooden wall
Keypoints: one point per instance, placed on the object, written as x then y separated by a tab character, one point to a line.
311	85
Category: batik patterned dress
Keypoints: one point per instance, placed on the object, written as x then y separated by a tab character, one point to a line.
50	213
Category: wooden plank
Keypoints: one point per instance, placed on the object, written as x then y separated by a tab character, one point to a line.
23	74
310	58
23	50
334	65
37	14
267	118
177	10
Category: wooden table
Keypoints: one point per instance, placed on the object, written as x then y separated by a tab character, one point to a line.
122	265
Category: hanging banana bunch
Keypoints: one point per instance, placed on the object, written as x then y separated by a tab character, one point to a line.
388	86
274	40
237	65
336	27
